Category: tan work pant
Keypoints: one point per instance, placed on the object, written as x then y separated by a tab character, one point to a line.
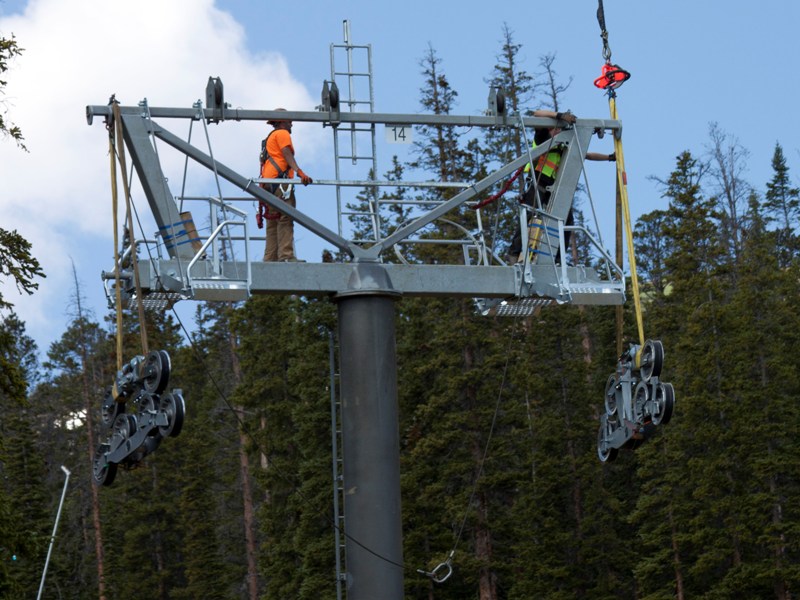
280	236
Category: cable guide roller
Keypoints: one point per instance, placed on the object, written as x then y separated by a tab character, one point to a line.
137	414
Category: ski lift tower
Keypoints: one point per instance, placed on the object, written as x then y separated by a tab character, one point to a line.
365	288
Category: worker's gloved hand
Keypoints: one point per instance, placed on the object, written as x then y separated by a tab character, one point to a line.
612	157
567	117
303	177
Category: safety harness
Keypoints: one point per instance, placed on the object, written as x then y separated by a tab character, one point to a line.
264	211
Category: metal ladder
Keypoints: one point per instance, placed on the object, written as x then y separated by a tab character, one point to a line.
357	95
337	469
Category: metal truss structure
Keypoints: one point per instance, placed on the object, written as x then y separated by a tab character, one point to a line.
365	287
189	273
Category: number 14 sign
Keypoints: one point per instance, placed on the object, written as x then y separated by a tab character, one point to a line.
399	134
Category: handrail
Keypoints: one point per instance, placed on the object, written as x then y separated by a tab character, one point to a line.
214	234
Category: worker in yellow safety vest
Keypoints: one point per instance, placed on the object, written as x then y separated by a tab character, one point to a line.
545	170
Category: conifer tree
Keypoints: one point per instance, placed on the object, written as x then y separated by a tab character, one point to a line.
24	500
764	370
782	203
441	155
503	144
438	151
696	535
284	360
140	511
393	212
651	251
9	49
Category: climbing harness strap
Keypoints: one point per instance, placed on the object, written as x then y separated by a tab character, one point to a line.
499	194
284	191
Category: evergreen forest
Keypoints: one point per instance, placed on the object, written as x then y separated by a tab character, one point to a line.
498	416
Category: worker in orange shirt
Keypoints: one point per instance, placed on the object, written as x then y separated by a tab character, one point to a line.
280	163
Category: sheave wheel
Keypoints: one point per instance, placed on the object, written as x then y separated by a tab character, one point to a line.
110	409
175	409
103	472
641	396
652	359
605	452
156	372
124	427
611	395
147	403
664	403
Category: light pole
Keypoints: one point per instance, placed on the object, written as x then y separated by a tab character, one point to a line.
55	526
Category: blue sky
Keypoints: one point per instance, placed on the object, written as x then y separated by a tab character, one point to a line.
692	63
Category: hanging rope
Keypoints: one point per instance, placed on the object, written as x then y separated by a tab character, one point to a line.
114	207
622	192
443	570
613	77
129	220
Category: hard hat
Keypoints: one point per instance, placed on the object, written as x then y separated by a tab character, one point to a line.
276	121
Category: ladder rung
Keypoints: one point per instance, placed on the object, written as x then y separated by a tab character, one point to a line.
350	74
342	130
357	157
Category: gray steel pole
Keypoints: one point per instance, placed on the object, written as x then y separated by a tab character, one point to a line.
370	436
55	527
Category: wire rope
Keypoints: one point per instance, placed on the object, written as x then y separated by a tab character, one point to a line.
447	564
257	446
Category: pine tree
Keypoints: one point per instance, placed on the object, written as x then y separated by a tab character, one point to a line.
9	49
651	251
284	361
212	553
782	202
504	144
698	538
393	212
25	517
764	373
140	511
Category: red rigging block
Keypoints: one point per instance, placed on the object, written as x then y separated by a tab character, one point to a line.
612	77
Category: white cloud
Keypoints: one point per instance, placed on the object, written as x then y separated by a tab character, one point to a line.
78	53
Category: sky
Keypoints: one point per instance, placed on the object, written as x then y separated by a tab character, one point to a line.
693	62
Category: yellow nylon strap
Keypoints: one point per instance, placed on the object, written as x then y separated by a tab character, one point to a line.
129	218
620	258
623	192
113	160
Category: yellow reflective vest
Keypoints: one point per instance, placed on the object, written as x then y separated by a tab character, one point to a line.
547	164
